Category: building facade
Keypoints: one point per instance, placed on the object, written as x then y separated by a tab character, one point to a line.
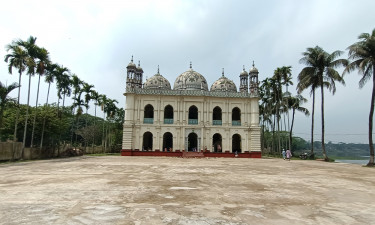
190	116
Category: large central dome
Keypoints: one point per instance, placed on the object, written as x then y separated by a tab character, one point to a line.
190	80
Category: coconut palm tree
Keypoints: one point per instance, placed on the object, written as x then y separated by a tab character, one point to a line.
4	99
320	72
18	59
42	59
294	103
49	78
362	56
31	48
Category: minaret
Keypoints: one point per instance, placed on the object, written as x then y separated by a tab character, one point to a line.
244	81
131	75
139	76
253	79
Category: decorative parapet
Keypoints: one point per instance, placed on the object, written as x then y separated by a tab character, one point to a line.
228	94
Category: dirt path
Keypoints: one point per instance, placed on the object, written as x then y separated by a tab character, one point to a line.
158	190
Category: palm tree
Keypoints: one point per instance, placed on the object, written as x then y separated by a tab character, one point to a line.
362	54
42	59
294	103
31	48
50	76
18	59
4	99
320	72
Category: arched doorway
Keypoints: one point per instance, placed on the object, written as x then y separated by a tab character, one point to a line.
167	141
147	141
193	115
236	143
192	141
168	114
236	117
217	143
216	116
148	114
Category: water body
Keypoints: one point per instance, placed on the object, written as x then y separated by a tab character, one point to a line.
363	161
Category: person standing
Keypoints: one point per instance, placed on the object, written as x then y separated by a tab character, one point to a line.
284	153
288	154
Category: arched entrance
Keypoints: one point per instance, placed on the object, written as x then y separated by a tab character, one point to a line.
147	141
167	141
236	143
217	143
192	142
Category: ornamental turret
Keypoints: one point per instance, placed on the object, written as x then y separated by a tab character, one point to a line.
131	70
254	79
138	76
244	81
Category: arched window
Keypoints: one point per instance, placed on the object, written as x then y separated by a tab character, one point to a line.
236	143
168	115
167	142
217	143
193	115
216	116
149	114
236	117
147	141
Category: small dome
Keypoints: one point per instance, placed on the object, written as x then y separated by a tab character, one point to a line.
190	80
131	65
244	73
157	82
253	69
223	84
139	68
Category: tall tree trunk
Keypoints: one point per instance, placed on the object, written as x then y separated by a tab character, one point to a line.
290	133
44	119
17	116
291	130
27	118
312	124
18	108
323	145
93	137
36	110
371	161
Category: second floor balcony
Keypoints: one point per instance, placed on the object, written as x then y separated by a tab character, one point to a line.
148	120
193	121
217	122
168	121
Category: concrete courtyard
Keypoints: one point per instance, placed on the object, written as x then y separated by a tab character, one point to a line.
160	190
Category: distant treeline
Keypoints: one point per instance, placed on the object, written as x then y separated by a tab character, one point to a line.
334	150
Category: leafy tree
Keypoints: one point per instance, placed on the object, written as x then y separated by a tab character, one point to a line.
4	99
362	56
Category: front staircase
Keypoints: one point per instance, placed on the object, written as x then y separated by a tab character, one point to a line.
192	155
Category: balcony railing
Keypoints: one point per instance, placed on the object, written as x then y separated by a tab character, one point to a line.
217	122
236	123
148	120
193	121
168	121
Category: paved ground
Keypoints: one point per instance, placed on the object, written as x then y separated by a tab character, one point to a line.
150	190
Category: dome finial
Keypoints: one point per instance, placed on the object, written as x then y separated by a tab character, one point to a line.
158	70
223	72
253	64
243	67
132	58
191	66
139	63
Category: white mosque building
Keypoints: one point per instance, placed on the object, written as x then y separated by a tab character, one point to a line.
220	121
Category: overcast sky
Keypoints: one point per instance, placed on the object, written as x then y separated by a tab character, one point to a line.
96	39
